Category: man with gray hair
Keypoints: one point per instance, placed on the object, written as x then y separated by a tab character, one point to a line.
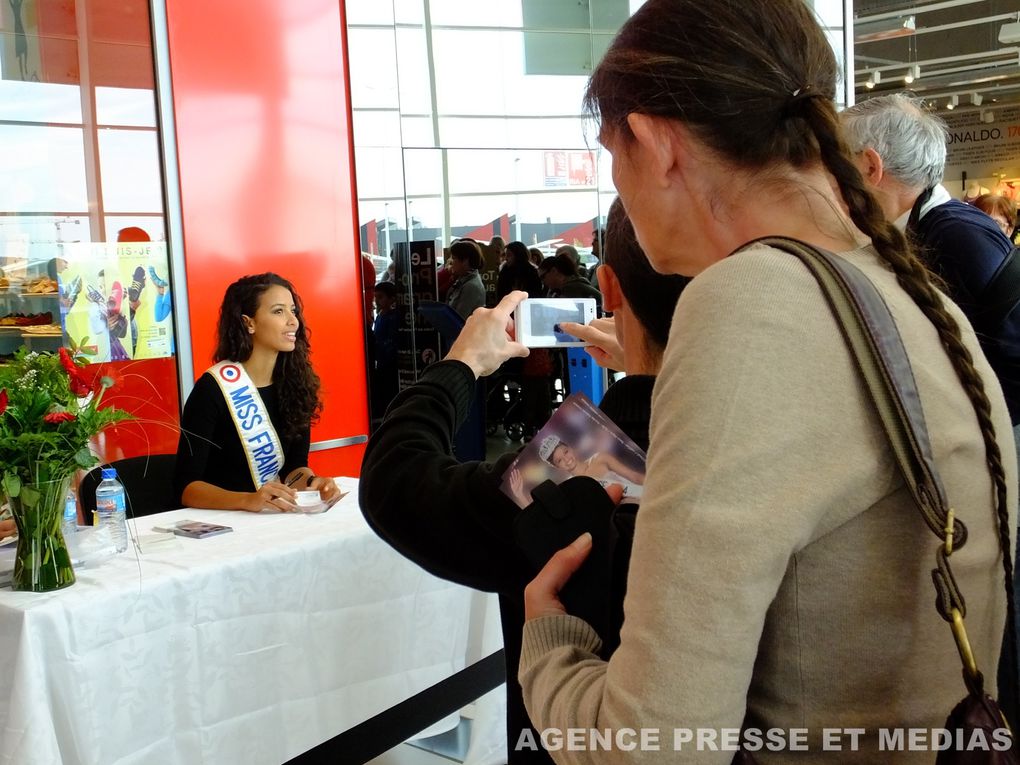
901	152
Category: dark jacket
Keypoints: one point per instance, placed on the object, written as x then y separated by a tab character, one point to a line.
965	247
451	518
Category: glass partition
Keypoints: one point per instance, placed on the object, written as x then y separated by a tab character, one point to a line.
467	121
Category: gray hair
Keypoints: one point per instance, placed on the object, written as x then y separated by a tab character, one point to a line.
910	140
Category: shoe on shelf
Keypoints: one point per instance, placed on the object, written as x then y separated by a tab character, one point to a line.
161	283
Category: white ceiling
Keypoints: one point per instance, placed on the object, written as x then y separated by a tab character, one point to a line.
955	45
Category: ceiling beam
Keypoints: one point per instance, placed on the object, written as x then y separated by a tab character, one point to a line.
918	10
953	25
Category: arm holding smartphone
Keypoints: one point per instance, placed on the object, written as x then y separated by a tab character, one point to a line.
488	338
491	336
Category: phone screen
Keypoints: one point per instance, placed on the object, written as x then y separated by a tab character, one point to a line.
546	319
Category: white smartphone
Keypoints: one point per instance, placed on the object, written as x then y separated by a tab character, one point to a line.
537	321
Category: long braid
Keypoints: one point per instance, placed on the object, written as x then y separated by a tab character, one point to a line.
893	246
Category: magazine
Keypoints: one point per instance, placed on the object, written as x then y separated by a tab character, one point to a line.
578	440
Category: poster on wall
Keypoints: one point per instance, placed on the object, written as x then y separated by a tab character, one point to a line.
983	144
116	297
569	168
417	341
20	23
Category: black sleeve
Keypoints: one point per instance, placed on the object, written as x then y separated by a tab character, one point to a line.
296	453
449	517
203	409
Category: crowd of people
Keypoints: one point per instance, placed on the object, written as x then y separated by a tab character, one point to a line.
461	285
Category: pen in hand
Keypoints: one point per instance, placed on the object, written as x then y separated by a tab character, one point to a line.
294	480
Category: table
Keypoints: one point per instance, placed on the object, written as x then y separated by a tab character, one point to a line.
248	647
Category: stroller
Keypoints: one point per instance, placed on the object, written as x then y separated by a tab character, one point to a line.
504	402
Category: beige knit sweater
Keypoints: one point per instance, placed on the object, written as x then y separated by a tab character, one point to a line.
780	576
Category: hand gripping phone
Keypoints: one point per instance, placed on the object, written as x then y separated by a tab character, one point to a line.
537	321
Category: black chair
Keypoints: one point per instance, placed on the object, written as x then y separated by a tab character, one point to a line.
148	484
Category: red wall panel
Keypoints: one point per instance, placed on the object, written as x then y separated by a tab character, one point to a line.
266	167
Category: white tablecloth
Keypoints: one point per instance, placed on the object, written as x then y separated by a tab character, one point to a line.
248	647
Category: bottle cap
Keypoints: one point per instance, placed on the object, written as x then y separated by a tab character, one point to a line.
109	473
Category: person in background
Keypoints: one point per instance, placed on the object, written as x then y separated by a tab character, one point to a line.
598	236
498	243
536	371
368	286
518	273
444	278
571	252
999	209
453	519
385	333
901	152
780	575
535	256
562	280
467	291
245	431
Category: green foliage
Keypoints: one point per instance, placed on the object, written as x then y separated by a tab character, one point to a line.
38	385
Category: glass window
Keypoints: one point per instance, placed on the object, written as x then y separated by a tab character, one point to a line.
125	106
131	173
491	138
373	63
368	12
81	211
39	102
44	168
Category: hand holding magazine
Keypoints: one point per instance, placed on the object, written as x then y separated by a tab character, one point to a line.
578	440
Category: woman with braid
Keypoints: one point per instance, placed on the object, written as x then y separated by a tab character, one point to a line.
780	573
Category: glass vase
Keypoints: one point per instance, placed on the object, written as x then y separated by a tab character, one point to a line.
41	562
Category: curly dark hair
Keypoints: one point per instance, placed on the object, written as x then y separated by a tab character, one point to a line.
295	380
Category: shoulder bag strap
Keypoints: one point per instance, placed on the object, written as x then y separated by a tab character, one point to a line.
877	348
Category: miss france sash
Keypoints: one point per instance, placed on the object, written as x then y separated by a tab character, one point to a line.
258	437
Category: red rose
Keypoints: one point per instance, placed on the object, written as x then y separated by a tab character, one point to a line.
3	400
55	418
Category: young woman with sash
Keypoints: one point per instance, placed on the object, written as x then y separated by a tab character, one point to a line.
246	426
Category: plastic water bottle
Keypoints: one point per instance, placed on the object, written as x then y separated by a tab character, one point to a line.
70	524
111	508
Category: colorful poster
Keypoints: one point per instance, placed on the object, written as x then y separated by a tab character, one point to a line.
569	168
115	299
143	269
